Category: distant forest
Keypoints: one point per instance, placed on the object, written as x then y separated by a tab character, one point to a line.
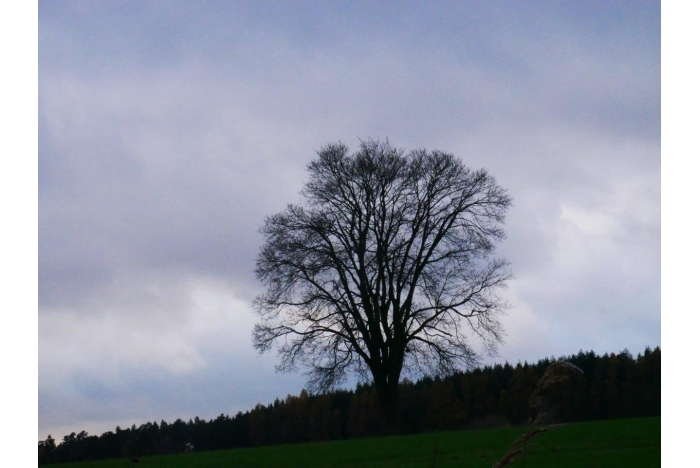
612	386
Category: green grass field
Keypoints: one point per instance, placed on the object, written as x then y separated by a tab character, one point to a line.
615	443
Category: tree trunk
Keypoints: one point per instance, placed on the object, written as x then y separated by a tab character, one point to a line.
386	380
388	396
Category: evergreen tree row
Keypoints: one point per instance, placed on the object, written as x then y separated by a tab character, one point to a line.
611	386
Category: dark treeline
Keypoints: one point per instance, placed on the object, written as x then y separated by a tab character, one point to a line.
612	386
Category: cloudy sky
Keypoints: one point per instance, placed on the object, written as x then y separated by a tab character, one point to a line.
169	130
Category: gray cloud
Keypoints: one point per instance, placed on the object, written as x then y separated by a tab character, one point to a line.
167	132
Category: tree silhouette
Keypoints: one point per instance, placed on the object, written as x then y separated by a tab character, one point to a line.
377	271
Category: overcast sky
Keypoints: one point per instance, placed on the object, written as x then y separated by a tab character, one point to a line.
169	130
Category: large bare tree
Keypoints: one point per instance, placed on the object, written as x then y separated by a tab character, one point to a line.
387	267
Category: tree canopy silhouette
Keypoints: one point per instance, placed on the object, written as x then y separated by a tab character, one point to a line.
386	267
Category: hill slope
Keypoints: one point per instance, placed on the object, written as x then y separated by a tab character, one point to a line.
613	443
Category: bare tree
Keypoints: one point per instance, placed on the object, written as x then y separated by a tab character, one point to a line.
381	268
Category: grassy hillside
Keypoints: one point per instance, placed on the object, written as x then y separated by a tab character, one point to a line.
613	443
